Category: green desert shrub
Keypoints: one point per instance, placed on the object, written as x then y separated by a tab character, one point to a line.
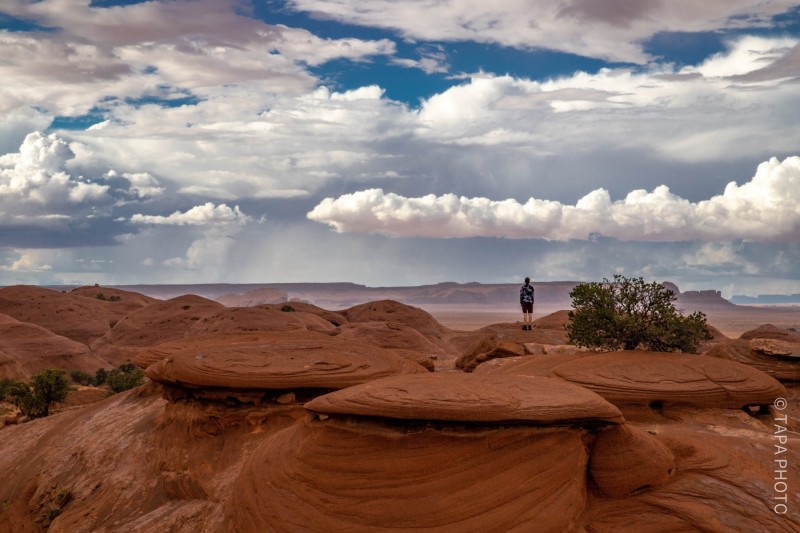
82	378
127	376
287	308
100	376
34	399
7	386
629	314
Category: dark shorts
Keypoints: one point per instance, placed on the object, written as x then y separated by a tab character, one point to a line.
527	307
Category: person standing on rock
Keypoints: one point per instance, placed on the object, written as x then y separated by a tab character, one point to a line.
526	301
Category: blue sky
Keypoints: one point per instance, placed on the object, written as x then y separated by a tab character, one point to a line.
400	142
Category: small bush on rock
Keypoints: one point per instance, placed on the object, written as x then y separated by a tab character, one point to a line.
34	399
100	376
127	376
81	378
7	385
629	314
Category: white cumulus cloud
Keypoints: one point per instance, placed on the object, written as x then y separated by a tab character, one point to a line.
207	214
25	263
610	29
37	175
767	208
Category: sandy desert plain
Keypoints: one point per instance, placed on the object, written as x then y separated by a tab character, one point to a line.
344	408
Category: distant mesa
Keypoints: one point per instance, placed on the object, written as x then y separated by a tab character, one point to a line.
550	296
644	378
265	295
767	299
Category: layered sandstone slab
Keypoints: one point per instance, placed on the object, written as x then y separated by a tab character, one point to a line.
392	311
626	460
272	360
776	348
357	476
769	331
773	350
528	365
395	336
641	378
725	480
455	396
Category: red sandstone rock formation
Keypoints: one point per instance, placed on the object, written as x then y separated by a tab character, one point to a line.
75	317
626	460
391	311
444	451
394	336
27	349
246	319
321	474
154	324
527	365
337	319
508	340
455	396
768	331
269	360
118	302
641	378
365	476
746	350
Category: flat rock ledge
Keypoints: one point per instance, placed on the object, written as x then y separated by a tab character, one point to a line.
642	378
456	396
268	360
